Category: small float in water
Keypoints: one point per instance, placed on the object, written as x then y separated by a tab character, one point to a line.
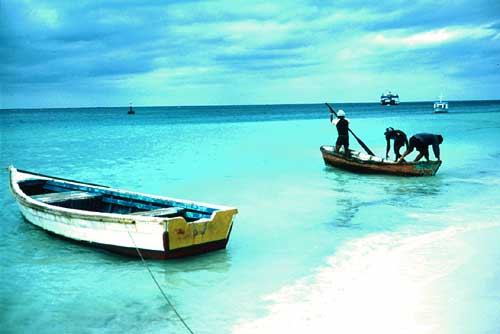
131	110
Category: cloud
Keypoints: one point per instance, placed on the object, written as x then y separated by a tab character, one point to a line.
435	37
217	44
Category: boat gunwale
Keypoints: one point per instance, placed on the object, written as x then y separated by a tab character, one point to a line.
28	201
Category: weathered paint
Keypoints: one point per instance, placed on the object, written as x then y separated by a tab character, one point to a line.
152	254
353	164
182	234
94	230
124	232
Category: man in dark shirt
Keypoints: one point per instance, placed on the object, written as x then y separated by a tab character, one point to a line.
421	142
342	125
399	138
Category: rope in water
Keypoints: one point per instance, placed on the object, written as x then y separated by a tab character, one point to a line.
158	285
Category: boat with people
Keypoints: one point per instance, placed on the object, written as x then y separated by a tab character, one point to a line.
389	99
360	162
122	221
440	107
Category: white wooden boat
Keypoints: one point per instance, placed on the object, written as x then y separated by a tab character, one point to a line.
122	221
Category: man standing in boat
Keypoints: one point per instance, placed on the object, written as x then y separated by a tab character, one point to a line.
399	138
342	125
421	142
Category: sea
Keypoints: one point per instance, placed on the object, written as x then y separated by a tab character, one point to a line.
313	248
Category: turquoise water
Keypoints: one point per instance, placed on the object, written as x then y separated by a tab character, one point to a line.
299	222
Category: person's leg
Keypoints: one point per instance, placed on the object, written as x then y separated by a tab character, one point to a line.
338	143
426	153
421	148
397	147
419	156
342	141
411	147
346	150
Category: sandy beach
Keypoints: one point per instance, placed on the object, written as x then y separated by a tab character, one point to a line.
394	284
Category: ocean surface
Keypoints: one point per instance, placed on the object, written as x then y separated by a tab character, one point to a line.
313	249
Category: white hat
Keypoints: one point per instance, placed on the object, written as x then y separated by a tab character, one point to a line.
341	113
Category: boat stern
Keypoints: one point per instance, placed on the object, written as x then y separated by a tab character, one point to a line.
183	238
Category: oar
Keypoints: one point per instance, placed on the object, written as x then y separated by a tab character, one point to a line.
363	145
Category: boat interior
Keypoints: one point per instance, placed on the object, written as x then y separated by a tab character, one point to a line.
106	200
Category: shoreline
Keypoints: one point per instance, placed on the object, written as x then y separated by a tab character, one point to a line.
393	284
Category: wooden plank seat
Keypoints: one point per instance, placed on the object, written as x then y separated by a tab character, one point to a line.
64	196
163	212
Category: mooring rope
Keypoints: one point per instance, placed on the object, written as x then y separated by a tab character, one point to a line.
158	285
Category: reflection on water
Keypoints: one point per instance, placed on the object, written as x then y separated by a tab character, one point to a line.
416	186
355	194
214	262
347	209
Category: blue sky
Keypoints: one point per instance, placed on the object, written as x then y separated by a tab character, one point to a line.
111	53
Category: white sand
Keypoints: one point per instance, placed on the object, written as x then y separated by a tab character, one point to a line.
393	284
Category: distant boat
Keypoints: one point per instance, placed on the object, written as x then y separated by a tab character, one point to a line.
440	107
359	162
121	221
389	99
130	110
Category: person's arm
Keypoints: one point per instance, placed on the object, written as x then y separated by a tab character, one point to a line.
402	157
435	148
388	147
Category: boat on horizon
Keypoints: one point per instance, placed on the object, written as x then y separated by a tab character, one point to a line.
121	221
440	107
359	162
389	99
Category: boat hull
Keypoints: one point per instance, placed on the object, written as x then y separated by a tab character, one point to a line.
440	107
365	164
389	102
128	234
149	253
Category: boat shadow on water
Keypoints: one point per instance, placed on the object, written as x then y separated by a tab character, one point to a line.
218	262
353	194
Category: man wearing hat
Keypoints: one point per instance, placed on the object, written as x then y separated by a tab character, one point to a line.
342	125
399	138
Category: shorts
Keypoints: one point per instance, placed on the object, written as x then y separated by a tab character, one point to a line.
342	140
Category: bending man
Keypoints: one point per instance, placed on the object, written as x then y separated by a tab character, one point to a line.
399	138
421	142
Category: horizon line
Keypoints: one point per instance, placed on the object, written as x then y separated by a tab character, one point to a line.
230	105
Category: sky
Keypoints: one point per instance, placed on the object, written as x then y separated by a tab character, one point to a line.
155	53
